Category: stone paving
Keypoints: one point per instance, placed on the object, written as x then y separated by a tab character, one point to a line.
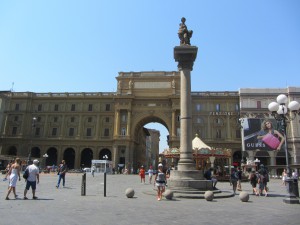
67	206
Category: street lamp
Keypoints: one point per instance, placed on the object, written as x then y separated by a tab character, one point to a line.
242	120
32	130
283	115
45	156
105	158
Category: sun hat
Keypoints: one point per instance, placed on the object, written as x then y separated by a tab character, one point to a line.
35	162
160	165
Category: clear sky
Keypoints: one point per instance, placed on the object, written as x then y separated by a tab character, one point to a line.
80	46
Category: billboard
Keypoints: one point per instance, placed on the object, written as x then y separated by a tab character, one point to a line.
262	134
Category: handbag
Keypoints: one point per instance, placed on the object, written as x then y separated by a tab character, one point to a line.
271	141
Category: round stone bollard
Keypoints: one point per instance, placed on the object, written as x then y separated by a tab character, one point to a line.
129	193
209	195
244	196
168	194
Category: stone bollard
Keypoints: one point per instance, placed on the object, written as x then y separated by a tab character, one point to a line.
129	193
168	194
244	196
209	195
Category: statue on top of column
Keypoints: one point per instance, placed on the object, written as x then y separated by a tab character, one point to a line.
184	34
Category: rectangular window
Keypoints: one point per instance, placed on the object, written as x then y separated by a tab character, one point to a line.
106	132
54	131
56	107
123	118
107	119
199	120
123	131
39	119
37	131
237	107
88	132
71	131
40	107
258	104
107	107
73	107
178	132
72	119
90	119
14	131
17	107
55	119
16	118
90	108
218	134
218	107
198	107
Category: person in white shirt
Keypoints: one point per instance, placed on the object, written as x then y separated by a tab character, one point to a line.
32	179
150	174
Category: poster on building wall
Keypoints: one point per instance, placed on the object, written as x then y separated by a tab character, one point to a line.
262	134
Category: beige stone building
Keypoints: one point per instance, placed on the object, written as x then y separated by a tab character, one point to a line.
79	127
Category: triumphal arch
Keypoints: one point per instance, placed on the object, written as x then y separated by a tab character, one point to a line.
141	98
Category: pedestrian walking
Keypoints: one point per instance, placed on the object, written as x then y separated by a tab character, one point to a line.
142	174
239	181
160	181
253	181
233	180
33	179
62	170
14	175
150	174
93	170
284	176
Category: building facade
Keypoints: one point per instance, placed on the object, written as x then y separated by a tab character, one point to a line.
79	127
254	105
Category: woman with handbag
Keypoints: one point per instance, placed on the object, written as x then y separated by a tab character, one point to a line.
269	136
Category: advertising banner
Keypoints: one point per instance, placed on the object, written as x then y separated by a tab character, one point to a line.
262	134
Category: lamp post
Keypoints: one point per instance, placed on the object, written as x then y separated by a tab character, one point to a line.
105	158
241	120
283	115
32	132
45	156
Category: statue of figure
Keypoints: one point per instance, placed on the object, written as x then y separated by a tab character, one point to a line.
184	34
173	83
130	84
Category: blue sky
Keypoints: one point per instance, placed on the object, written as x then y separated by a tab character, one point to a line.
80	46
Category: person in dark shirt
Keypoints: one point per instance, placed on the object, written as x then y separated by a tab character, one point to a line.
62	170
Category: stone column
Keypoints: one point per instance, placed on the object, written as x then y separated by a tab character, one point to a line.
185	56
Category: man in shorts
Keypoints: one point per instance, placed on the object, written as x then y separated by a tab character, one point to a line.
32	179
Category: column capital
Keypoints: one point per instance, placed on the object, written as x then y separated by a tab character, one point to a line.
185	56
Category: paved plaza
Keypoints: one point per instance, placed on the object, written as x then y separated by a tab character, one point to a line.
67	206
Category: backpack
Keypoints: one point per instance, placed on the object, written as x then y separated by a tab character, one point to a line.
26	174
236	175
